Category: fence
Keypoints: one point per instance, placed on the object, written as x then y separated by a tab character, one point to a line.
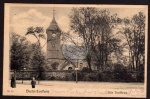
70	75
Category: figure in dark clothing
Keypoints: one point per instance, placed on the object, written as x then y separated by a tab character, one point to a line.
13	82
33	82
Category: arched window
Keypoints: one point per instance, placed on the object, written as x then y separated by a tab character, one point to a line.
69	68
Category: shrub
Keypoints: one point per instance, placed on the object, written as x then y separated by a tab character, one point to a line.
52	78
106	75
55	65
68	77
100	76
87	76
85	69
140	77
130	78
80	76
120	73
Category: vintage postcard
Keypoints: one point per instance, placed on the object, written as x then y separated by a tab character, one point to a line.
75	50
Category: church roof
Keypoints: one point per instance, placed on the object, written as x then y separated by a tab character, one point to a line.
53	25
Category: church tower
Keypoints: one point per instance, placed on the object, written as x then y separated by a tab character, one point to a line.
53	41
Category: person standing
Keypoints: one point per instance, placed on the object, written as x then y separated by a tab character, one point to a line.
13	82
33	82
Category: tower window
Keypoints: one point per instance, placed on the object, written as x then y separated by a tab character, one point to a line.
53	45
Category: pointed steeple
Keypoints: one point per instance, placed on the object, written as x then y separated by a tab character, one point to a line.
53	13
53	24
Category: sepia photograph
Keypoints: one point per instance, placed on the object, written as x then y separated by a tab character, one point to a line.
75	50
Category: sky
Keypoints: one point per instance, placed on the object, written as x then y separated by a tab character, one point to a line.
23	16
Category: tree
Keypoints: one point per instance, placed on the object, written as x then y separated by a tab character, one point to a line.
37	60
37	32
95	27
104	39
23	54
19	52
134	32
80	19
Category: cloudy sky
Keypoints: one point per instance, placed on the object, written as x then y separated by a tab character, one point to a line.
23	16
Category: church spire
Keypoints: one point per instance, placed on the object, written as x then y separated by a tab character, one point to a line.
53	13
53	24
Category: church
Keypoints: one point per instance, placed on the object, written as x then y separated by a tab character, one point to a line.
55	58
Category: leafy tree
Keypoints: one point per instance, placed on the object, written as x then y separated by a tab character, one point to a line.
23	54
80	19
95	27
37	60
37	32
104	39
134	32
19	53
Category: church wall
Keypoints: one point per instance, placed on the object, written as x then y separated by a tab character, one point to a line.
52	54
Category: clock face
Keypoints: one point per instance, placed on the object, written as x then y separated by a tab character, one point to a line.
53	35
74	51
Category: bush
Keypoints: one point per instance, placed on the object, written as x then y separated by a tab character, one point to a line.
52	78
68	77
90	77
120	73
85	69
105	76
130	78
140	77
100	76
80	76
